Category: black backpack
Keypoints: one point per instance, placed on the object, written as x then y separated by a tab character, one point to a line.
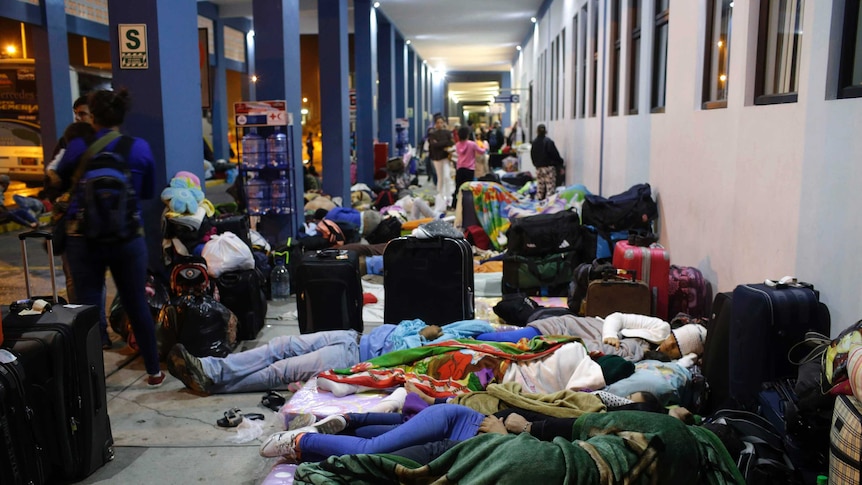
106	200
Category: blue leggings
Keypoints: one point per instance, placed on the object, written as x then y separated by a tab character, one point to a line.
434	423
509	336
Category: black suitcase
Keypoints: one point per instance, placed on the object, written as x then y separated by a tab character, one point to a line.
329	291
716	353
766	321
242	293
21	455
61	351
428	279
544	234
235	223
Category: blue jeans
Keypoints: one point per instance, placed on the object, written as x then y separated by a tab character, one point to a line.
128	264
434	423
282	360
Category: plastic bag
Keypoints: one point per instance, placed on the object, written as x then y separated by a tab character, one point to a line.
248	429
227	252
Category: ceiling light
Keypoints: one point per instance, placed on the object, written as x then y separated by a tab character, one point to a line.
304	111
251	33
517	47
533	19
304	100
254	78
407	42
376	4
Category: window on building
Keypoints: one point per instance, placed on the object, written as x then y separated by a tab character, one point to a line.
634	54
555	66
779	51
716	60
575	65
616	40
594	56
850	75
584	60
561	75
659	56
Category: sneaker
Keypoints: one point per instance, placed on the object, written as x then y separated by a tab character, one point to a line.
331	424
188	369
156	380
284	444
301	421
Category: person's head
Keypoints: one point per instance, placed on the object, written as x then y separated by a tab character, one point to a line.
496	125
684	340
4	182
541	130
109	108
439	123
81	110
79	129
463	132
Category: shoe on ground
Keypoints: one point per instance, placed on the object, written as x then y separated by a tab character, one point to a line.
156	380
284	444
301	421
188	369
331	424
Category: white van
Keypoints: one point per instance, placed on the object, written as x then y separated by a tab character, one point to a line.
20	136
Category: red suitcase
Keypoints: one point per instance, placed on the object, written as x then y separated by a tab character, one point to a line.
652	265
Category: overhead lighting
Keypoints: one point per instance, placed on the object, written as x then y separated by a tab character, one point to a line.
408	42
424	62
304	111
254	78
376	4
517	47
304	100
251	33
731	4
533	19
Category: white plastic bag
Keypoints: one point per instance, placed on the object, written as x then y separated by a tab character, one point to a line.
227	252
247	430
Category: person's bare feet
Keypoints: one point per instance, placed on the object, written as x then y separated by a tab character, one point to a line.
411	387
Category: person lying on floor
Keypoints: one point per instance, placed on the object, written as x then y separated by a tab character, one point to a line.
287	359
359	433
624	446
625	334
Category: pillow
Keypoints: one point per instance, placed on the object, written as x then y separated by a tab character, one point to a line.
665	380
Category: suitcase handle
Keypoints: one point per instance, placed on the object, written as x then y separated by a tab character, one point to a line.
36	235
619	274
49	237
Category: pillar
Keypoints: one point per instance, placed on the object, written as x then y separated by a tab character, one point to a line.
334	96
365	54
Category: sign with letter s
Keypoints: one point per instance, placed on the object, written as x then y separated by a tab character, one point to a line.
133	46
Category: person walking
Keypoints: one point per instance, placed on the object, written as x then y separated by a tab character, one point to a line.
126	258
547	161
468	150
309	148
439	141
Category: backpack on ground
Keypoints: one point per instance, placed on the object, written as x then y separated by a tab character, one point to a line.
106	199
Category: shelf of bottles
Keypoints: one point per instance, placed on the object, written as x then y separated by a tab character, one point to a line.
266	147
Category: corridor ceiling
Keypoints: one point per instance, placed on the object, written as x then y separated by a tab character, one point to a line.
450	35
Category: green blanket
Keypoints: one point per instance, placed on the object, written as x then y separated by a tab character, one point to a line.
560	404
619	447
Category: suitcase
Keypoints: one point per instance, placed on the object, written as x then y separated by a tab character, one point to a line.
765	323
329	291
21	458
544	234
716	353
845	442
653	267
61	351
428	279
235	223
539	275
612	294
242	293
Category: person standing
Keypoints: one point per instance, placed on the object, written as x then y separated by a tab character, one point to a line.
467	151
516	135
547	161
438	142
496	139
309	148
126	258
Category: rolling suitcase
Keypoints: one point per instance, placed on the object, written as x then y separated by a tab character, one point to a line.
21	455
766	321
61	351
544	234
653	267
429	279
329	291
242	293
616	294
845	442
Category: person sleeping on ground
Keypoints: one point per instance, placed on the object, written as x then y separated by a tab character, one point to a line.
631	336
287	359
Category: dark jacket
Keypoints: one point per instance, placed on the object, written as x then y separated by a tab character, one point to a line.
499	138
544	153
438	142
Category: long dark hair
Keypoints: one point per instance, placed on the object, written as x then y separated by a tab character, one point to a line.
109	108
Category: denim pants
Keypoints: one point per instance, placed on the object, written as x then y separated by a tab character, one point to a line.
128	264
282	360
434	423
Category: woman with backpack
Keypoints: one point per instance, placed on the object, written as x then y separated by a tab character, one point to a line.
107	231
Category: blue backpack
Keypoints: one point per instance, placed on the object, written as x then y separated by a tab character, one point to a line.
492	138
106	199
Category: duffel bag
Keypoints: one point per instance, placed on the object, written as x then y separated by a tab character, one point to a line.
539	275
632	209
544	234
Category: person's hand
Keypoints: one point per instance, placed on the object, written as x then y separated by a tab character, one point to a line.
612	341
493	424
431	332
682	414
516	423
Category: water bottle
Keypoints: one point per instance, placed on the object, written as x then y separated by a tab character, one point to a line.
253	151
280	277
276	148
257	191
278	196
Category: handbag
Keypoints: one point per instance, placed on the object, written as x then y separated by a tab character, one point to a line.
59	234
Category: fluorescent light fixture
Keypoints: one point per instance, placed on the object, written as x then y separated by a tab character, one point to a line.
408	42
533	19
376	4
517	47
304	111
251	33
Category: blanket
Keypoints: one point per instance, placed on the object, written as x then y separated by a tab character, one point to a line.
490	200
451	367
562	404
619	447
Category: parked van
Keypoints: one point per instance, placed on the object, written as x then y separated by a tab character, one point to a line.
20	137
